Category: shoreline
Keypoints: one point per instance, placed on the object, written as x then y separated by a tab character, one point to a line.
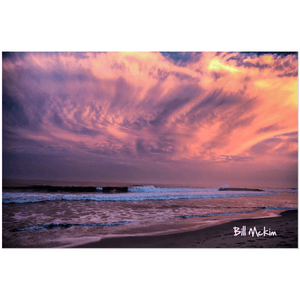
285	227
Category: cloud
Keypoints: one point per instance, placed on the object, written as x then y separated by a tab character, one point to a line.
278	147
167	108
273	127
237	158
182	58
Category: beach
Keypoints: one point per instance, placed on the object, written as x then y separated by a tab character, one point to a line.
219	236
148	216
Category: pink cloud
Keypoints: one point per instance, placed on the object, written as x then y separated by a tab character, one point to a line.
215	107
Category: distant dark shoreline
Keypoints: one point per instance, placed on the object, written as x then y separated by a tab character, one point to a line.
93	189
69	189
240	189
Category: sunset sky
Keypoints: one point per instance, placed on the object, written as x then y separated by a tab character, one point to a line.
193	118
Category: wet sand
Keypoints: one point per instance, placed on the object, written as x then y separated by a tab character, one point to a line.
220	236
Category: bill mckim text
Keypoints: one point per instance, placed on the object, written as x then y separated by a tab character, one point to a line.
253	232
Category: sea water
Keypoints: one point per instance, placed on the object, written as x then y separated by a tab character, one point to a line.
41	219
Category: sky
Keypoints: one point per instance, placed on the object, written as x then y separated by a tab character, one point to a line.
203	118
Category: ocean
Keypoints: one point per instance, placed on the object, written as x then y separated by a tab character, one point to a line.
39	219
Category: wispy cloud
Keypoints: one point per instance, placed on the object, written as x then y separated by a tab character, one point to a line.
169	107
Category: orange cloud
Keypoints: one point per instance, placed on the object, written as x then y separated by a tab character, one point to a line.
216	65
216	107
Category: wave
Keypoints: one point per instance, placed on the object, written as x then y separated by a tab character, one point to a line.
135	193
157	194
219	214
66	225
277	207
239	212
153	189
226	186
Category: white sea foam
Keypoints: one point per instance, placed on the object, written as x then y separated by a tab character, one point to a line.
239	212
153	189
226	186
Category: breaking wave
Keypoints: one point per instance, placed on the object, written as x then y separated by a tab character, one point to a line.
135	193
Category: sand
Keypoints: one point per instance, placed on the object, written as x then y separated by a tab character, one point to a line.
220	236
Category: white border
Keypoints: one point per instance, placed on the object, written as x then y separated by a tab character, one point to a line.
149	26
